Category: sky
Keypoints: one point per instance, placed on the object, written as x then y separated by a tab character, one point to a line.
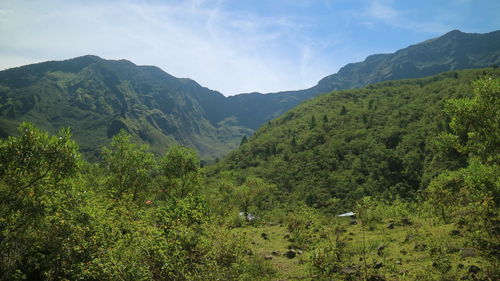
233	46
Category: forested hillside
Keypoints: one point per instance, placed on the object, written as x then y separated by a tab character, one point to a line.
380	140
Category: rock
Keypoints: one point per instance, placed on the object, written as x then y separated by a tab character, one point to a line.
264	235
290	254
350	269
268	257
375	278
378	265
403	272
409	237
468	252
398	262
275	253
390	225
380	250
473	269
299	252
420	247
353	222
406	221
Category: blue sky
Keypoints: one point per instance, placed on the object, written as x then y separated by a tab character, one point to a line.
232	46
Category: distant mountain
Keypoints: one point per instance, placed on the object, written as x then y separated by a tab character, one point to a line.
453	51
378	140
98	97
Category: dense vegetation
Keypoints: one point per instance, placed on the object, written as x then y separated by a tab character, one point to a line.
417	160
132	217
337	148
98	97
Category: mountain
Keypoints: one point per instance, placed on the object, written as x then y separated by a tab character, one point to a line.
378	140
453	51
98	97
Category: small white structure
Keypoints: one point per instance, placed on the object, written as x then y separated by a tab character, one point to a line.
349	214
247	216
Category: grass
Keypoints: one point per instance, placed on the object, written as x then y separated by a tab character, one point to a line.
288	269
421	250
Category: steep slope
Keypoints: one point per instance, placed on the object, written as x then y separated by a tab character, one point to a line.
379	140
99	97
453	51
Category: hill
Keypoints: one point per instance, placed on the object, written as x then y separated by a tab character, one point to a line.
379	140
453	51
98	97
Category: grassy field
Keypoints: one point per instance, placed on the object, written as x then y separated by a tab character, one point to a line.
405	249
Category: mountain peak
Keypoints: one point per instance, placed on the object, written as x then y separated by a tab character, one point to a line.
454	32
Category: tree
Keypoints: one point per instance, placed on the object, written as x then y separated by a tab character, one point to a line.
180	170
244	140
33	170
475	122
32	164
474	190
128	166
312	123
343	110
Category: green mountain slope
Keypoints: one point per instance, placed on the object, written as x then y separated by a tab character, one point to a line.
97	98
452	51
351	143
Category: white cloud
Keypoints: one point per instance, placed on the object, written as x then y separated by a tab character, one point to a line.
227	51
384	11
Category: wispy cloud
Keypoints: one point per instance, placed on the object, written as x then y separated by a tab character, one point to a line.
384	11
231	46
225	50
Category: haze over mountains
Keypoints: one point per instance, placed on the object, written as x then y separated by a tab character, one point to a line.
98	97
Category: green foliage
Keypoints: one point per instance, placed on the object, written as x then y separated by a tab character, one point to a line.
32	167
243	140
303	224
59	222
470	196
128	167
180	171
34	174
475	121
377	141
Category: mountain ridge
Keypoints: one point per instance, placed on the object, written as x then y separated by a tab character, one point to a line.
98	97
